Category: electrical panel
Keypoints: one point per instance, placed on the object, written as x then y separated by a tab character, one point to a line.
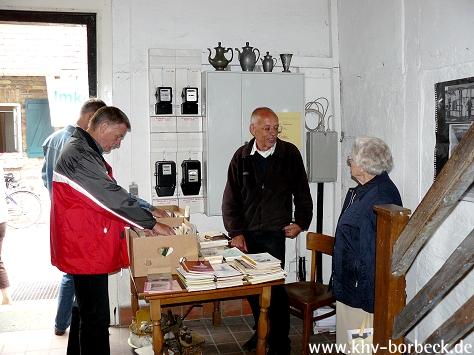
321	154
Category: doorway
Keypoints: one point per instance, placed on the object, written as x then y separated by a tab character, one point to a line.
43	44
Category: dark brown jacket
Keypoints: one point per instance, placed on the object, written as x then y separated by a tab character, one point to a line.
250	205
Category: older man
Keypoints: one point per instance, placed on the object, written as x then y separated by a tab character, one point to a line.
89	213
265	176
52	147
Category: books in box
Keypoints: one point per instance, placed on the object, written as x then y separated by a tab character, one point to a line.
147	253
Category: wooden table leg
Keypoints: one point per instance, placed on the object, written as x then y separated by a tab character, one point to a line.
158	340
262	330
216	315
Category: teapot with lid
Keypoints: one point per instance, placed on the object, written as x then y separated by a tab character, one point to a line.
268	62
219	61
248	57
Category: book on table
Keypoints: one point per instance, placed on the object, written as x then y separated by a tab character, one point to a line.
249	269
212	239
160	276
227	275
262	260
231	254
212	255
256	279
197	285
229	283
197	267
225	270
158	286
196	281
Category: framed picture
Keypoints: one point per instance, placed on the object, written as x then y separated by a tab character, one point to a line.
454	116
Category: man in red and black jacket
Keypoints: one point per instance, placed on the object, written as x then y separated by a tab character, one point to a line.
89	213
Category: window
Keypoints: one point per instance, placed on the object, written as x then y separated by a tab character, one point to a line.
10	124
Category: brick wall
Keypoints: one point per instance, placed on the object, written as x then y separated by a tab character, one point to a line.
15	90
227	308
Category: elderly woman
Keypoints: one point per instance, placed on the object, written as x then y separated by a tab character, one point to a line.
354	249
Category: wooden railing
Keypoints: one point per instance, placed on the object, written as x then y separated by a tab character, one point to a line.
400	239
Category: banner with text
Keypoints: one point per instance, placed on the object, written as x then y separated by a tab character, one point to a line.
66	96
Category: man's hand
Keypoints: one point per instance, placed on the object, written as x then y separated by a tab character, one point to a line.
162	229
239	243
159	213
292	230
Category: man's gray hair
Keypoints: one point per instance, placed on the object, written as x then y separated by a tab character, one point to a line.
91	106
109	114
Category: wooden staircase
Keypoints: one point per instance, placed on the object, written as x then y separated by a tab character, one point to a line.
400	239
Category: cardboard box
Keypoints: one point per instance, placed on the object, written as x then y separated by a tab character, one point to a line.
148	254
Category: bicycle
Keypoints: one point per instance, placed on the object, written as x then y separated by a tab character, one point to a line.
24	206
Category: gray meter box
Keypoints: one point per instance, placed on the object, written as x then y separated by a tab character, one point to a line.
321	155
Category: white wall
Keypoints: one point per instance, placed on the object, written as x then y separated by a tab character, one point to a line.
391	55
128	28
302	28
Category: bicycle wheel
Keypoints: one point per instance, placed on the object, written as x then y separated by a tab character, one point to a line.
24	209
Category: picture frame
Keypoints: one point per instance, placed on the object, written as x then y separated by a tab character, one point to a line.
454	115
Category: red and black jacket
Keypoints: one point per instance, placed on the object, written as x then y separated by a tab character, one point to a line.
89	211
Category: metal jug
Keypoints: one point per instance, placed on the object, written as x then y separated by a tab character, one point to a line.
248	58
268	62
219	61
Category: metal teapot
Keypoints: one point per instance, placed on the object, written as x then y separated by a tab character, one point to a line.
268	62
247	57
219	61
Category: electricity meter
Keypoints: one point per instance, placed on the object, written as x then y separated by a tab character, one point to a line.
164	98
190	100
165	173
191	180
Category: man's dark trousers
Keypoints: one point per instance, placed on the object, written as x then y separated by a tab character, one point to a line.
272	242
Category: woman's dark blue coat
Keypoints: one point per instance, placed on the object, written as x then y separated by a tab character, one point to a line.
353	275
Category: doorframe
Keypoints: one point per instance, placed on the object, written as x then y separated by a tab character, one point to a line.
77	18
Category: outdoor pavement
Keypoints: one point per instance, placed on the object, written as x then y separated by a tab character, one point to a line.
26	256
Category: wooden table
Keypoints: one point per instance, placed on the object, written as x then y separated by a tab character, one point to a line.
158	300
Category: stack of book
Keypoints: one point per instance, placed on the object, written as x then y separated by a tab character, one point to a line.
196	275
261	267
262	261
212	255
230	254
227	275
213	239
158	282
220	254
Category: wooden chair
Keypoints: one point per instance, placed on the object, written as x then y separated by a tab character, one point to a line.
307	296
